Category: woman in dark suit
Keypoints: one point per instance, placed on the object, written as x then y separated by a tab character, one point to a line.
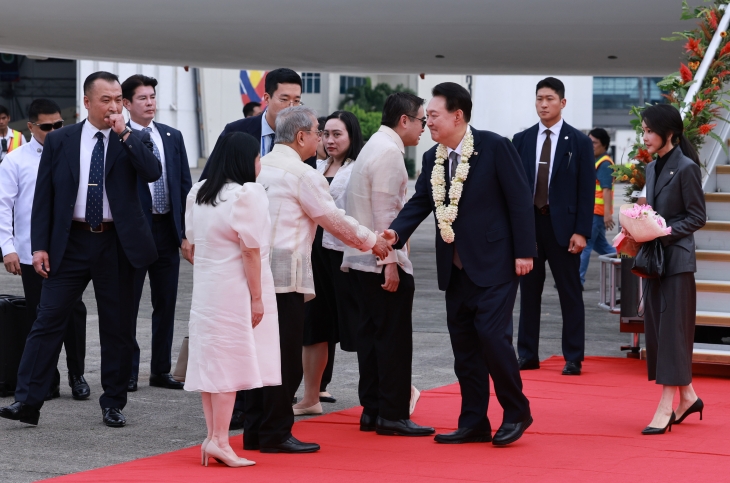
674	190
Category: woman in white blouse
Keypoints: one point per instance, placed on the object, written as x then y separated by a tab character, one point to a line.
328	314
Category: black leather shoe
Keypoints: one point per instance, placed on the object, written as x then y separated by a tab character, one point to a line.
113	417
53	392
327	399
166	381
401	427
79	387
19	411
291	445
510	432
132	384
528	364
367	422
237	419
572	368
650	431
697	407
464	435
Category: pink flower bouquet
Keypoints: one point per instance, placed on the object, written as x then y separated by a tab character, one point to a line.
643	223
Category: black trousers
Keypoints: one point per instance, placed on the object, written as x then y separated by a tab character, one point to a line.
669	324
478	319
565	267
74	339
96	257
164	274
269	415
384	344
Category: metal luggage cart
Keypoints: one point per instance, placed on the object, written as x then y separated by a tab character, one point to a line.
620	293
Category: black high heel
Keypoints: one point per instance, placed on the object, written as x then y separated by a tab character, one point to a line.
696	407
649	431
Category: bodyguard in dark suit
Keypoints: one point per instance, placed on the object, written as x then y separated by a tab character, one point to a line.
674	190
283	88
89	227
494	244
558	160
163	203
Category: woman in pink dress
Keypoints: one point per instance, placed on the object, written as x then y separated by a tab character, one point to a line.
234	330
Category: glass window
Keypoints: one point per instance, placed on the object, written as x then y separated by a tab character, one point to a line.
346	82
622	93
311	82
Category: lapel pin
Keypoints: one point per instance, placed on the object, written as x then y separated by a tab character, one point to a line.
566	137
168	134
475	153
671	172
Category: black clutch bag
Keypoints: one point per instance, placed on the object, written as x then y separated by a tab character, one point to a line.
649	262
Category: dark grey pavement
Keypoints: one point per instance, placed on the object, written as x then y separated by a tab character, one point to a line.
72	438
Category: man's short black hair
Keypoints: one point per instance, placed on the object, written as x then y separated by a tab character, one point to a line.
398	104
554	84
133	82
601	134
280	76
457	97
249	107
321	121
42	106
4	110
103	75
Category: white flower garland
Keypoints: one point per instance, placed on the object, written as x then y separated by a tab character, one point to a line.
446	214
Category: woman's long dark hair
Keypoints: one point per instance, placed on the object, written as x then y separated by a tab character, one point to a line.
233	160
353	130
664	119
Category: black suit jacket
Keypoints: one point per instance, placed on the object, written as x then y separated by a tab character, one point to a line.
249	125
677	195
179	181
495	224
572	187
57	186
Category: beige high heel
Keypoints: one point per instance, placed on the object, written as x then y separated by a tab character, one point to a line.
316	409
415	396
213	451
202	451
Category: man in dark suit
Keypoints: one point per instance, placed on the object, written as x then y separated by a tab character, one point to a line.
163	203
558	160
283	88
89	227
479	258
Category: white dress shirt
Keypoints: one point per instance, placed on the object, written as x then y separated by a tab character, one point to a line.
541	136
88	141
8	137
375	196
458	154
157	138
338	190
299	200
267	136
18	173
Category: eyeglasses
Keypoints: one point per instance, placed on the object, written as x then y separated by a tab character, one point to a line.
422	119
47	126
289	102
318	133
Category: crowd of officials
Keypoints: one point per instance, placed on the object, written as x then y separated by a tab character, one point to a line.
290	206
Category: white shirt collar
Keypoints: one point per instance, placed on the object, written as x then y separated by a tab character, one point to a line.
555	129
265	128
394	136
90	131
461	143
35	146
9	135
139	127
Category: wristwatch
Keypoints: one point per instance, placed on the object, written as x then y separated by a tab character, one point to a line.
125	132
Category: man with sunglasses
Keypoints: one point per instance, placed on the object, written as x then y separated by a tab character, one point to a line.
18	175
10	139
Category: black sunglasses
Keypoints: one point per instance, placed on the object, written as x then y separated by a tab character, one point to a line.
45	127
423	120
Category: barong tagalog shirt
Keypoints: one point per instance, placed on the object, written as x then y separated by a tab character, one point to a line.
299	200
375	196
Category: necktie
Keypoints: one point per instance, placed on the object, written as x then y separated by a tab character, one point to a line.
95	188
159	199
4	145
543	173
454	162
268	144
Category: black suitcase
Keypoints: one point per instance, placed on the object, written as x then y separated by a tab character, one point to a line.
14	330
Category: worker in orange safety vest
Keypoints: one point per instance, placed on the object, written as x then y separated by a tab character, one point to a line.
9	138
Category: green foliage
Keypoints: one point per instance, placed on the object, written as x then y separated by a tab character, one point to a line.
369	98
411	168
369	121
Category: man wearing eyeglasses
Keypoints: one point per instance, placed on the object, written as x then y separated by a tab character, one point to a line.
9	138
18	175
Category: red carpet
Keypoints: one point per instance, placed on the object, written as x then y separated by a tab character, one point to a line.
586	428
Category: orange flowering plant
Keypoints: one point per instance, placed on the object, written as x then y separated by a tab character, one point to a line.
703	113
